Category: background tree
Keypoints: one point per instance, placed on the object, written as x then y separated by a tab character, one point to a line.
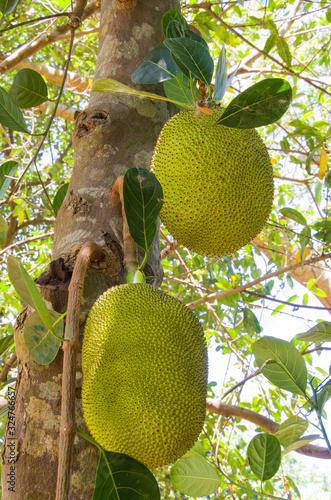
113	133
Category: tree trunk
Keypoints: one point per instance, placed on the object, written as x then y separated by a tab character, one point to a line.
112	135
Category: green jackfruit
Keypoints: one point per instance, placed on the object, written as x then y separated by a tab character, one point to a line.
217	183
145	374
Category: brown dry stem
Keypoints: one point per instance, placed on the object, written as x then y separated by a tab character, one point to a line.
89	251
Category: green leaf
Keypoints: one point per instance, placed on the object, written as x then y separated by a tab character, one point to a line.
194	476
293	214
194	55
10	115
221	76
28	89
7	168
59	197
178	92
108	86
3	225
284	50
301	442
157	66
120	477
175	29
6	343
261	104
318	193
269	24
41	343
317	334
142	194
290	372
7	6
264	455
251	323
327	179
229	80
16	278
38	301
324	395
309	159
173	15
270	43
291	430
293	486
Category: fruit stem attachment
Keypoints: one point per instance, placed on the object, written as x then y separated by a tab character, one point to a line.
89	251
130	247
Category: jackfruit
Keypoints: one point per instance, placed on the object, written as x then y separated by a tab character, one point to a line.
145	374
217	183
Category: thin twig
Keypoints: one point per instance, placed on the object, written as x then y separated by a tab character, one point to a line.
292	304
26	242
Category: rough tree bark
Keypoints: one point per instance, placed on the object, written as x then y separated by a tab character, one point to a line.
112	135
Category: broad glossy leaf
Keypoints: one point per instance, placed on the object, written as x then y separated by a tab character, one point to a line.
284	50
301	442
157	66
142	194
59	197
221	76
173	15
261	104
291	430
41	343
3	225
39	304
7	168
16	278
7	6
264	455
120	477
193	475
6	343
194	55
178	92
318	333
10	115
28	89
108	86
290	372
293	214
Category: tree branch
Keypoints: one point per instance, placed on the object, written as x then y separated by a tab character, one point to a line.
43	40
226	293
224	410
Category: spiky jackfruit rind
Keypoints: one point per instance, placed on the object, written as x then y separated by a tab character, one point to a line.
217	183
145	374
